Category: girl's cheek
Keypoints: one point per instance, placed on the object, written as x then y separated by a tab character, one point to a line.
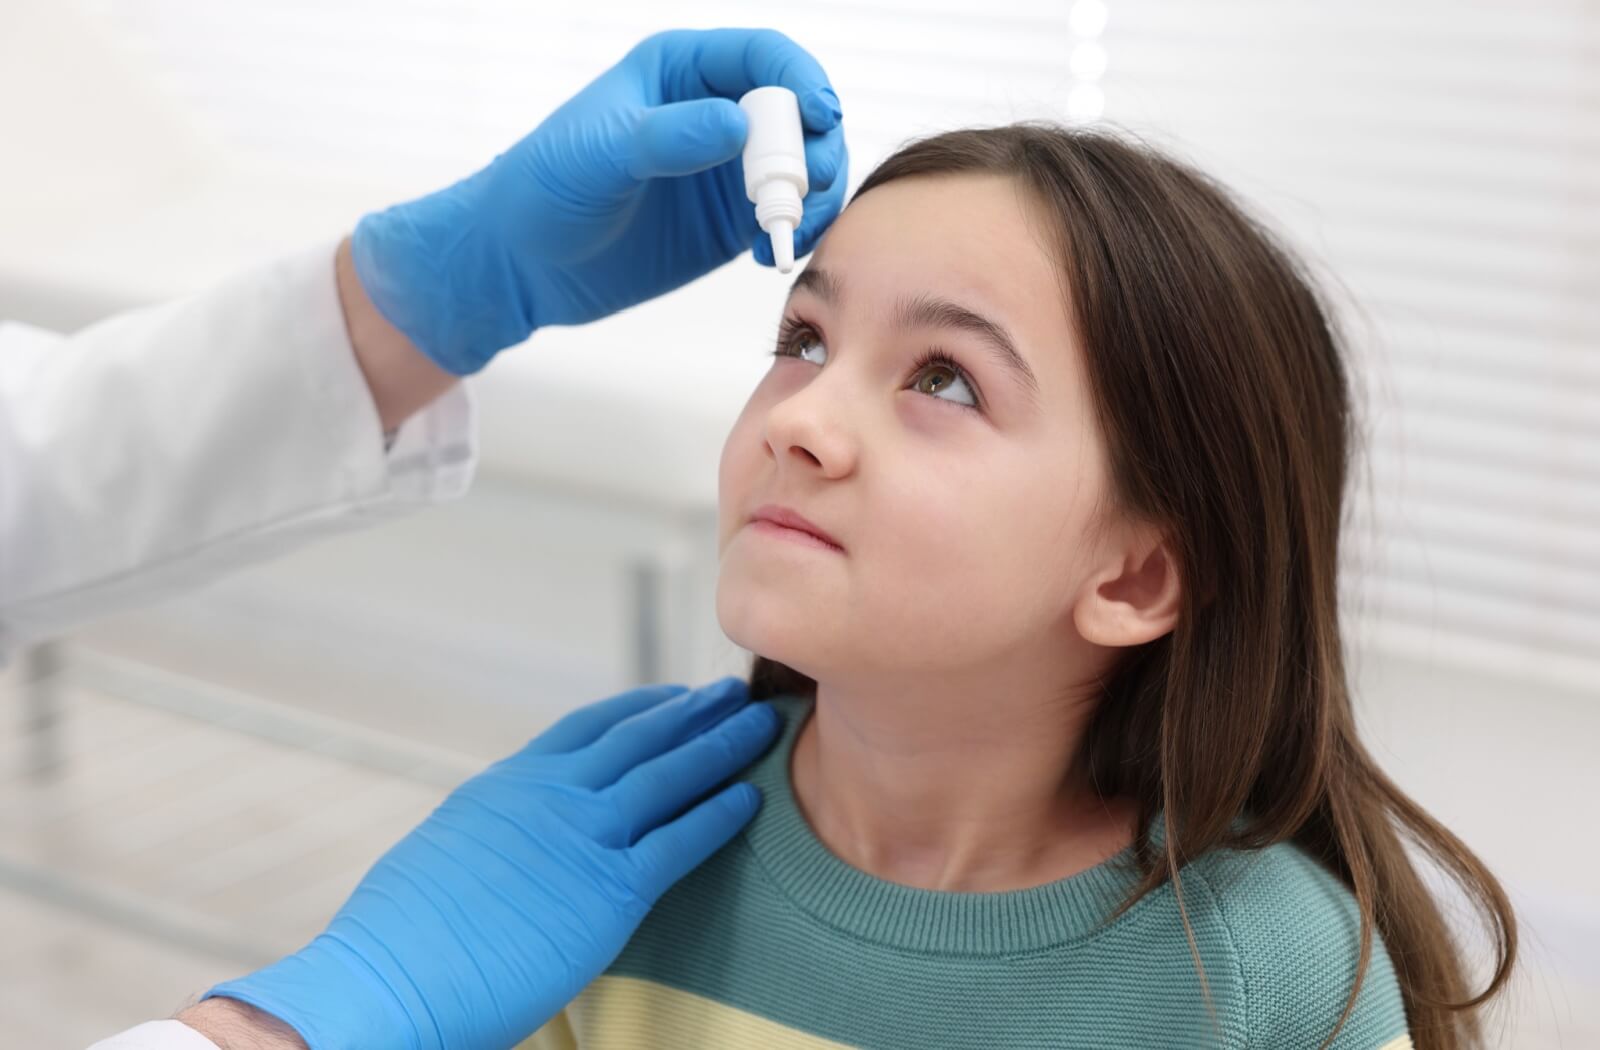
945	424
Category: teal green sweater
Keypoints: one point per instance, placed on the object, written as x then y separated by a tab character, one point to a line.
776	943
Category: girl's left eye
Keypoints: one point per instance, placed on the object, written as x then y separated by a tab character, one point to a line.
793	334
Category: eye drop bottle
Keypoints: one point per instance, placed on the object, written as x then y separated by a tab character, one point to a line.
775	166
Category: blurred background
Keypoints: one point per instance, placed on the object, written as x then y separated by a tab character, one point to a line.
191	790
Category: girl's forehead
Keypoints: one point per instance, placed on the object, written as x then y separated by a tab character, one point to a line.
972	238
937	205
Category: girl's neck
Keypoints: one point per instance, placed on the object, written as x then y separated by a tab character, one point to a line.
958	797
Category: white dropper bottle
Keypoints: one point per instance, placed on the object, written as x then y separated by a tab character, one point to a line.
775	166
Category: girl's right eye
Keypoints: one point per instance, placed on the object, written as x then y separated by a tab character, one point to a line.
793	334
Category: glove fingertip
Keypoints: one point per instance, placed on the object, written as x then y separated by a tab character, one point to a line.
804	241
821	109
745	798
738	802
670	852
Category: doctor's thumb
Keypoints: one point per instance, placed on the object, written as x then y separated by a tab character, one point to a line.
681	138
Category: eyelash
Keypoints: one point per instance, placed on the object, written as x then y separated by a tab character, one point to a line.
791	328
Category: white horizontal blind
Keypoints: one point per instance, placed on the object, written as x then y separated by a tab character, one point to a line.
424	89
1441	159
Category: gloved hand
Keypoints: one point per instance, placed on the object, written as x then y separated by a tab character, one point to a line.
527	881
633	187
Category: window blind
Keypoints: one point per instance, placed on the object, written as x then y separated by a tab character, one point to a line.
1442	161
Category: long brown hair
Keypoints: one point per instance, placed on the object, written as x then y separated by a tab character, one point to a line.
1222	395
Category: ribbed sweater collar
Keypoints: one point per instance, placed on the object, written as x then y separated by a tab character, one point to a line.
908	917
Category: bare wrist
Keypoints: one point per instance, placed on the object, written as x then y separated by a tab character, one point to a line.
402	379
236	1025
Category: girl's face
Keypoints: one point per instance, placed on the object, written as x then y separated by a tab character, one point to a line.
961	491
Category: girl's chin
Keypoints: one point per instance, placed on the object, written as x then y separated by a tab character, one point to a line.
786	649
788	643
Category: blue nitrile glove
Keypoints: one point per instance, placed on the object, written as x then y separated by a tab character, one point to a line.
527	881
633	187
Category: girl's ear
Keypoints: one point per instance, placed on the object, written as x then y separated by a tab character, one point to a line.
1135	598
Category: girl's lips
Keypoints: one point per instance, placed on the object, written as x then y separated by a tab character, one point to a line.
772	528
789	518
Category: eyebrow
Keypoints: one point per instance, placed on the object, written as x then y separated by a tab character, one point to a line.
926	311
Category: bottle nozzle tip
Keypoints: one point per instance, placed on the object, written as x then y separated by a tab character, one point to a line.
782	244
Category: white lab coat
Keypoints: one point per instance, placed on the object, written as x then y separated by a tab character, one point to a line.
158	449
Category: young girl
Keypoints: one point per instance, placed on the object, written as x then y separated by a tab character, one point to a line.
1069	756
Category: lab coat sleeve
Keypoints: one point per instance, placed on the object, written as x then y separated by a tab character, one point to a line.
157	1035
157	449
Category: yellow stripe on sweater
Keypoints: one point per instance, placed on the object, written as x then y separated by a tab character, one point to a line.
625	1013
